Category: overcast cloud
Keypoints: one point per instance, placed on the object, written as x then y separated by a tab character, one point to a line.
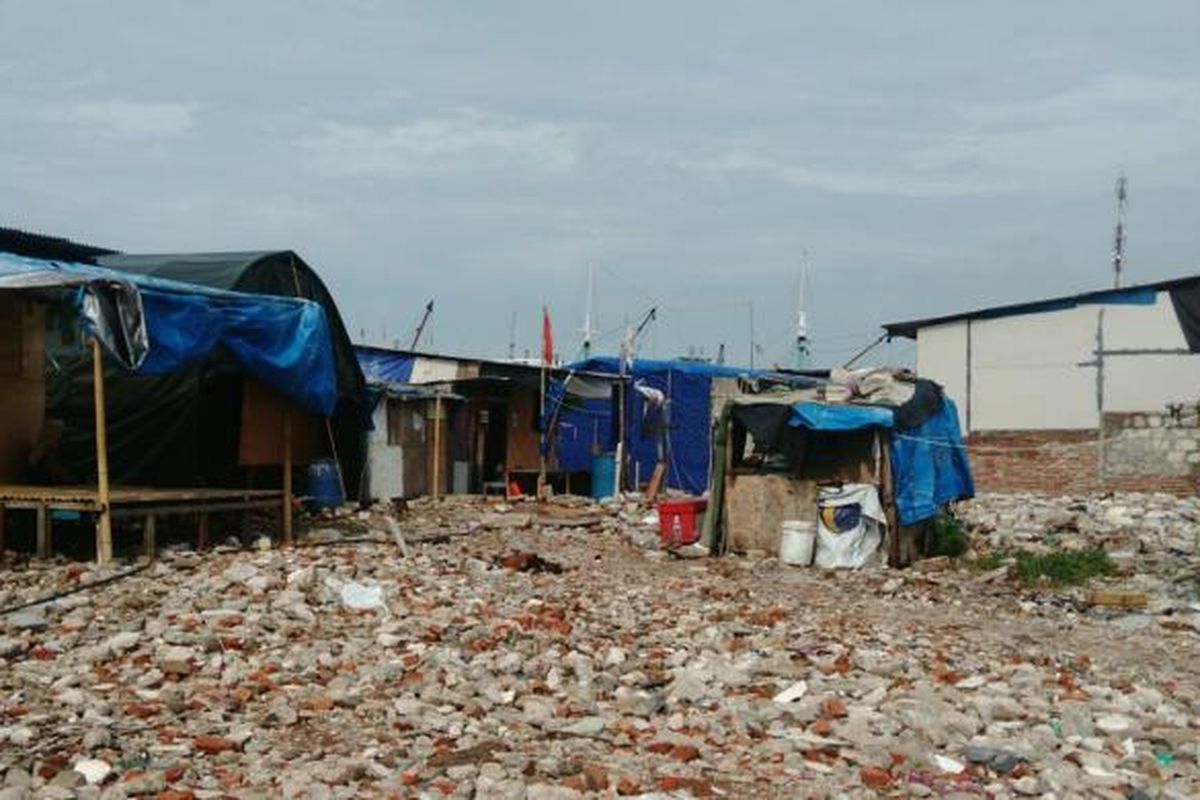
931	156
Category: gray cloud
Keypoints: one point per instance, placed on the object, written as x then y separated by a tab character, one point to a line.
454	141
929	157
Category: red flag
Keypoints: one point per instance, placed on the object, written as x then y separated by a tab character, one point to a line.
547	338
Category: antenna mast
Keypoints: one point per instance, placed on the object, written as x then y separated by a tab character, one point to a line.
421	327
588	331
1118	255
802	349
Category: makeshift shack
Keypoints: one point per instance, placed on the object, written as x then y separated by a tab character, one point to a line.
204	424
782	456
669	408
142	327
492	420
406	446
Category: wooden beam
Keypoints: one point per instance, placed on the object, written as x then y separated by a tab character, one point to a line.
656	482
44	546
287	476
896	555
149	538
437	446
3	529
104	544
202	530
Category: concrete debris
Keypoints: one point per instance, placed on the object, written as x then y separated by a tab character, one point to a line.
622	673
93	770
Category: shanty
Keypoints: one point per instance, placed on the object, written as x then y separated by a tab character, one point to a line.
667	401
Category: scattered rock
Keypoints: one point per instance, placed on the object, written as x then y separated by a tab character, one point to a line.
93	770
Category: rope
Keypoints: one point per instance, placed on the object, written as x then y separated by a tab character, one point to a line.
985	449
82	588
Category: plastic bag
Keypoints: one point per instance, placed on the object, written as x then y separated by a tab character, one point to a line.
850	526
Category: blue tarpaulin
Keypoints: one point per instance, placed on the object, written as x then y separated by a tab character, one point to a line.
683	431
385	366
819	417
929	465
929	462
584	429
283	342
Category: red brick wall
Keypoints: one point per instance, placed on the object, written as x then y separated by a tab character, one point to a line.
1062	462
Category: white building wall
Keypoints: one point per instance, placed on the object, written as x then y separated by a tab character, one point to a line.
942	357
1026	371
1147	382
433	370
385	462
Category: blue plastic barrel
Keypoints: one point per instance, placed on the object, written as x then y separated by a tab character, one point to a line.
324	484
604	475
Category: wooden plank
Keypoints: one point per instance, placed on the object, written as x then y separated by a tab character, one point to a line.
149	543
202	531
263	413
122	495
43	533
757	505
195	508
1118	599
22	382
887	496
656	480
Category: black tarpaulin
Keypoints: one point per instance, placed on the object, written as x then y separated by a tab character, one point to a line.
182	428
1186	300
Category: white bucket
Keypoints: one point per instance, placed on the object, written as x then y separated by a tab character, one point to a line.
798	542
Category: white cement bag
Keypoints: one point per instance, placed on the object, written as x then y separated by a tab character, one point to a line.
850	526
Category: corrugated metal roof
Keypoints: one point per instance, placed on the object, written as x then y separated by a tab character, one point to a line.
53	248
1126	295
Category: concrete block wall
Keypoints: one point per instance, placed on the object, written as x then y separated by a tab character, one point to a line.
1139	451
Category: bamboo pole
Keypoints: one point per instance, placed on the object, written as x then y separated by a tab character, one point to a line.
104	544
287	476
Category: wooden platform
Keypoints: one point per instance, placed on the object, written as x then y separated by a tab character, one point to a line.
130	501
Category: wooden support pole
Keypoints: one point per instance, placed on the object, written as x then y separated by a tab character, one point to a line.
3	530
287	476
437	446
541	483
149	537
202	530
44	546
104	542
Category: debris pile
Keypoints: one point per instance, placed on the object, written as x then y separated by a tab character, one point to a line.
526	652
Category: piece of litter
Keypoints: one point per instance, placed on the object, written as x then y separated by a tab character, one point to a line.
363	597
792	693
948	765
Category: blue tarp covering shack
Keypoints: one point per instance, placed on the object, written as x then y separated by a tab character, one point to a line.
382	366
816	441
682	427
929	461
152	326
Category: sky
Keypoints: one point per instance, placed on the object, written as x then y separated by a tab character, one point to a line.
929	157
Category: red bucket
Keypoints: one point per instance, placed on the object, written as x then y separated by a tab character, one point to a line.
679	521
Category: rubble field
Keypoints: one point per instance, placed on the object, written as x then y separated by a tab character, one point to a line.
551	651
